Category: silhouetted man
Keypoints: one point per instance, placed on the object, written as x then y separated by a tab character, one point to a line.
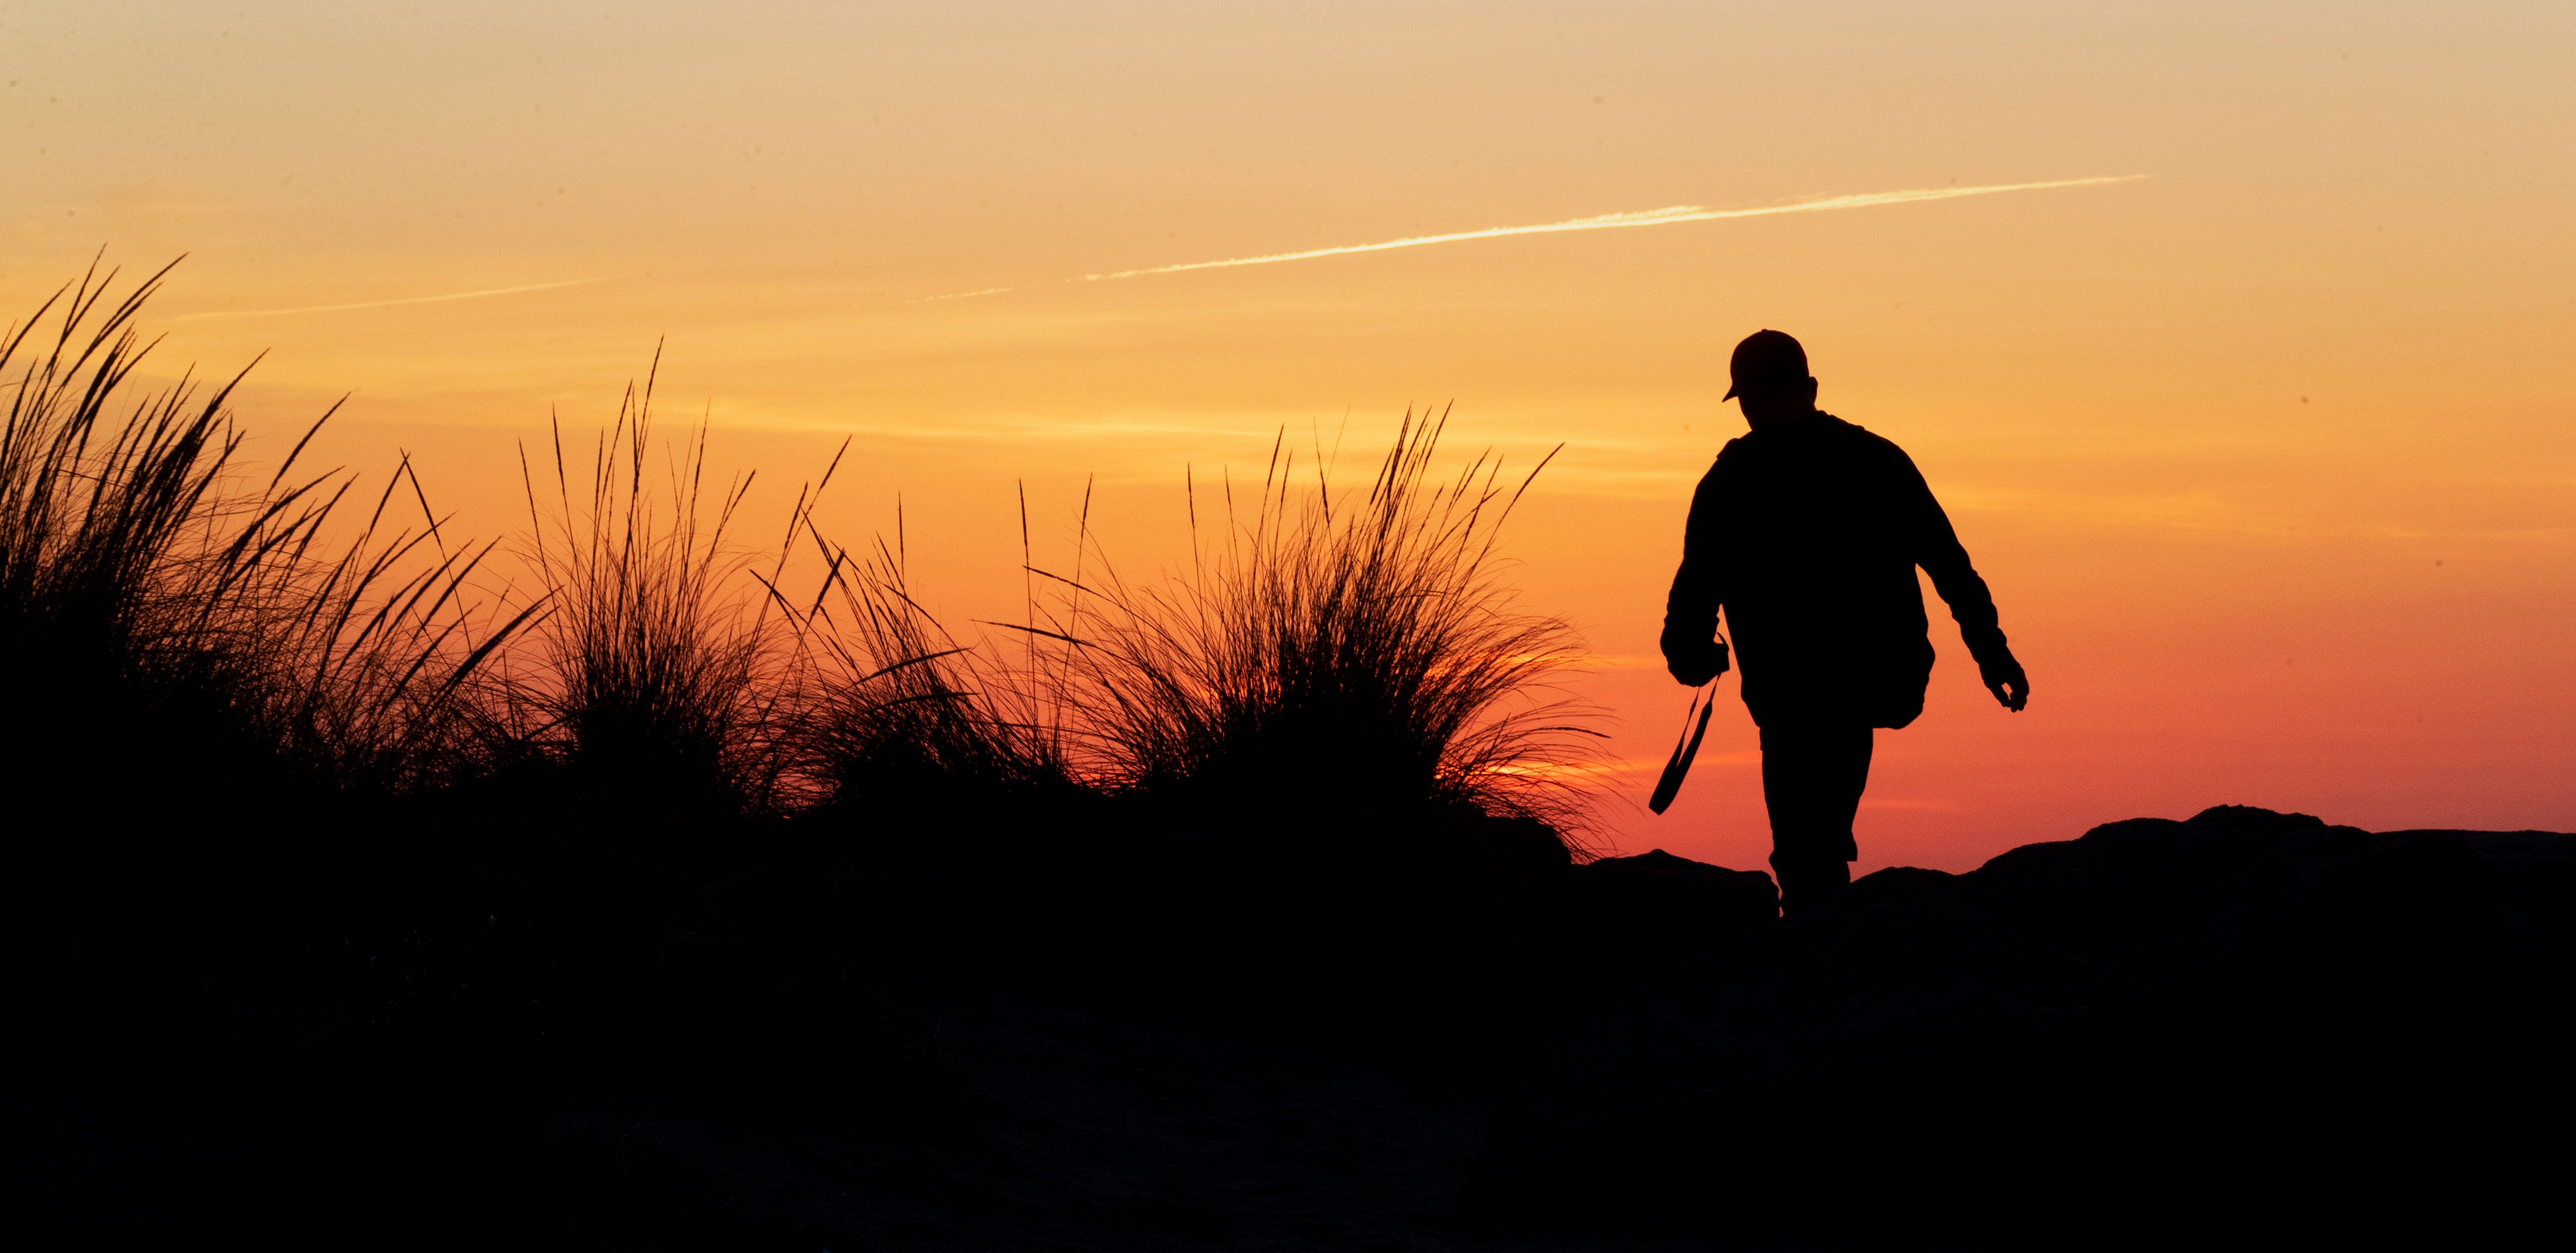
1806	534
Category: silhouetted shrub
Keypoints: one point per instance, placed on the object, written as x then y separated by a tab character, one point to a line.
166	619
1329	652
657	684
903	721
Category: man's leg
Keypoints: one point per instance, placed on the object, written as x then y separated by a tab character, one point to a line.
1812	779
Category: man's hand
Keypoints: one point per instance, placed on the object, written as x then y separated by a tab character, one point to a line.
2004	678
1694	665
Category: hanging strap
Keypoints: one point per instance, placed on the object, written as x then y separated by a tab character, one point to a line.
1703	703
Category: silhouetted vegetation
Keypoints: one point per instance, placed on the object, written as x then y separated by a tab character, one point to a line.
656	685
319	815
1351	652
1322	655
1354	649
169	616
904	724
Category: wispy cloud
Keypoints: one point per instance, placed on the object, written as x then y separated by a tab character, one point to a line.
1670	216
1620	221
387	304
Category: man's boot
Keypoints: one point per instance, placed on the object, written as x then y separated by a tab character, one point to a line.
1805	881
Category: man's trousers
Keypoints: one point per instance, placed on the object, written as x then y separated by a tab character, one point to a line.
1812	778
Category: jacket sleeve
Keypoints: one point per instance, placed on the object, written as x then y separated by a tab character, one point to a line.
1699	587
1937	549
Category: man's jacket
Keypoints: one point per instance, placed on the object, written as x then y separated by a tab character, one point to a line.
1806	534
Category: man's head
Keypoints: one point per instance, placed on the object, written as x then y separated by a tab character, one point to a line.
1770	378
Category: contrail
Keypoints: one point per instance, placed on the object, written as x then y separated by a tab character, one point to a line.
386	304
1618	221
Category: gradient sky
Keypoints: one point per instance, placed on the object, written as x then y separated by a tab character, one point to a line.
2267	454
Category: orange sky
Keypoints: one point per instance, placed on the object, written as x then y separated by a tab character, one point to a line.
2267	454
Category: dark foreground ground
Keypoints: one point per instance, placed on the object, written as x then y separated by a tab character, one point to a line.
1099	1125
1121	1127
2247	1023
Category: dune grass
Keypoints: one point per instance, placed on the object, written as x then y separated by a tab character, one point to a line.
903	721
658	683
1324	653
163	608
1350	650
1329	652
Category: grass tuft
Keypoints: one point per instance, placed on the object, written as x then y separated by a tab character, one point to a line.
171	618
1330	652
908	724
659	685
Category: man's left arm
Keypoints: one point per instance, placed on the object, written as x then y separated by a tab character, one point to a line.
1937	549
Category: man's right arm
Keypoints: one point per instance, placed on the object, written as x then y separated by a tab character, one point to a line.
1691	650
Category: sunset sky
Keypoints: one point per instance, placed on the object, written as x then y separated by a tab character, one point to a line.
2265	448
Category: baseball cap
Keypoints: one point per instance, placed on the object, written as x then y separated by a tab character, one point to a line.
1765	359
